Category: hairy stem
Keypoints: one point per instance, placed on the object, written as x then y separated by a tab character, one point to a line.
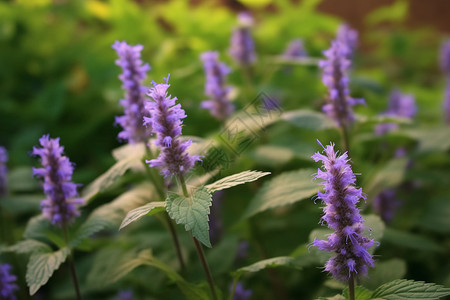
199	248
351	287
73	272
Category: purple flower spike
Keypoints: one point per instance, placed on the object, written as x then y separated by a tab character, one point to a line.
349	37
240	293
61	204
341	214
7	285
166	120
445	57
335	77
385	204
219	104
242	48
3	172
295	49
400	105
134	72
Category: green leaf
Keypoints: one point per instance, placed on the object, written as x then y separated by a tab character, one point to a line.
111	176
384	271
29	246
436	215
235	179
21	180
283	189
431	140
275	262
308	119
192	212
110	215
41	267
361	293
147	209
337	297
40	227
410	289
390	175
410	240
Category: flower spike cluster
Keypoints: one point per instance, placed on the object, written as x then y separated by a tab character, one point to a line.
349	37
166	120
7	285
219	104
335	77
134	72
446	102
340	197
242	48
445	66
3	172
60	206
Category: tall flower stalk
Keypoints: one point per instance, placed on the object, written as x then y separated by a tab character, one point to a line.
335	68
61	204
134	72
340	197
7	283
445	67
173	160
348	37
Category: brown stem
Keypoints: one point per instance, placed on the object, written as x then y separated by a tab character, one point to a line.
209	277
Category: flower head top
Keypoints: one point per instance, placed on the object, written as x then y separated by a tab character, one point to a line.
400	105
340	197
61	204
7	285
215	87
335	77
295	49
445	57
134	72
166	120
349	37
3	171
242	48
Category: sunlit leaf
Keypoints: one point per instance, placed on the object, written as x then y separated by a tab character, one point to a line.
410	289
147	209
235	179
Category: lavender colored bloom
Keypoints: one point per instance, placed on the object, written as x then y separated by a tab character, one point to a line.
61	204
242	251
349	37
385	204
445	57
400	105
219	104
134	72
295	49
125	295
3	172
215	218
446	102
7	283
342	215
166	120
242	48
335	77
240	293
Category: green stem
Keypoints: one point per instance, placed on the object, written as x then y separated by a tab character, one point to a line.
198	246
73	272
351	287
233	289
157	183
346	140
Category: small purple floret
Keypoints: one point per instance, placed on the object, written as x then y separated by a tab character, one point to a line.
335	77
166	120
340	197
3	172
446	102
295	49
385	204
445	57
134	72
219	103
7	283
60	206
348	37
240	293
242	48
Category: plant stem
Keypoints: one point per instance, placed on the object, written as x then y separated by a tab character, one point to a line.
160	190
198	246
72	265
351	287
233	289
345	138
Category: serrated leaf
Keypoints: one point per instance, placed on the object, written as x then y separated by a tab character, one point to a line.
308	119
41	267
235	179
137	213
192	212
361	293
110	215
384	271
110	176
29	246
283	189
275	262
410	289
